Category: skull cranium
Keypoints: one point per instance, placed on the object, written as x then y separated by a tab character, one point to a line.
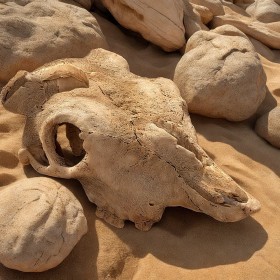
137	149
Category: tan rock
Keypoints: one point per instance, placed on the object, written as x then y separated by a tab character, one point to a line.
268	33
229	30
41	31
238	8
192	20
158	21
265	10
40	223
133	146
268	127
215	6
221	76
205	14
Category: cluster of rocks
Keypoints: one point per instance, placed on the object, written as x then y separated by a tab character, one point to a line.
219	75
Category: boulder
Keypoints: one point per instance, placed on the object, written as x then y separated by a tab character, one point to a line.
40	223
158	21
268	127
265	10
221	76
33	33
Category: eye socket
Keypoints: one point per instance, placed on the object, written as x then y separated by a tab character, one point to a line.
68	144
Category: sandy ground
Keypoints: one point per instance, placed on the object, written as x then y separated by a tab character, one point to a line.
184	244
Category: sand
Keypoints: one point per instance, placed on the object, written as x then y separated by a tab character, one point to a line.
184	244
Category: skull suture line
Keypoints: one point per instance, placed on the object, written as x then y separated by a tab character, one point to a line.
137	147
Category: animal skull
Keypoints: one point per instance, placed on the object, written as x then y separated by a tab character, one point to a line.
137	147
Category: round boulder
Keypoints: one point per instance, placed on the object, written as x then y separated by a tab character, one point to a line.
220	75
33	33
265	10
268	127
40	223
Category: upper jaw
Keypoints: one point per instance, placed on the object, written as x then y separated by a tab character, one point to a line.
207	188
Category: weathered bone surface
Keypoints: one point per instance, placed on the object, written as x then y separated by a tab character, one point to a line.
40	223
221	75
137	147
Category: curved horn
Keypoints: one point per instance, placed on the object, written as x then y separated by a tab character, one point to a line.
26	92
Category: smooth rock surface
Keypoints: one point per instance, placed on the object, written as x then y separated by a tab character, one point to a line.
268	127
205	14
221	76
158	21
268	34
35	32
265	10
40	223
215	6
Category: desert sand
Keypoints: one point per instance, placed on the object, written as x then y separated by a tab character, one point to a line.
184	244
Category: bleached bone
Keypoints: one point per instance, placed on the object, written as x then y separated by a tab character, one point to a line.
138	149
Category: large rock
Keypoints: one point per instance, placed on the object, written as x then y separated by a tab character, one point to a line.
40	223
35	32
268	127
215	6
158	21
265	10
220	75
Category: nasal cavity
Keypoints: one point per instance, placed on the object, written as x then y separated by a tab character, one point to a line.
68	144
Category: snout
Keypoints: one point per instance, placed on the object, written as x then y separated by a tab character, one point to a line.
232	210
